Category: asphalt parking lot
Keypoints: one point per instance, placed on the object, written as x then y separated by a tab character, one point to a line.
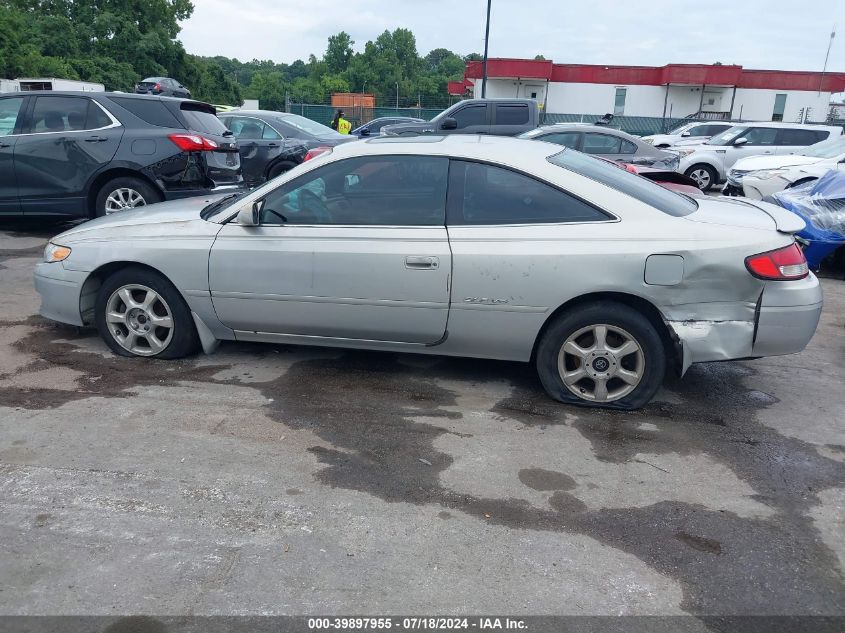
282	480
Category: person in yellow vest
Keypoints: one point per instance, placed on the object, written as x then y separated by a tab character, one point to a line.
340	124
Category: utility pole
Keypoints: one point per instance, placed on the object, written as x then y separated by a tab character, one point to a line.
486	41
397	95
827	55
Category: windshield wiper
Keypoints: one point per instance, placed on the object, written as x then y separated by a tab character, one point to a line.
210	209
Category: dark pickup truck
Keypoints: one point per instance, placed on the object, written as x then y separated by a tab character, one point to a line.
498	117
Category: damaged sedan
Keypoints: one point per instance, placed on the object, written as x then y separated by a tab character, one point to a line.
471	246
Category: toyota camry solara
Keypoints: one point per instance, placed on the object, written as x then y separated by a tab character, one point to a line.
463	246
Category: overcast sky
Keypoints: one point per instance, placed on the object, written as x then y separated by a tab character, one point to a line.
775	34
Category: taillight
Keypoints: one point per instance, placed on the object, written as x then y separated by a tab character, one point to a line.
157	87
317	151
193	142
781	264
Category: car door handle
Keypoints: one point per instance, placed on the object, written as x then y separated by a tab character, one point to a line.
96	139
5	144
421	262
272	145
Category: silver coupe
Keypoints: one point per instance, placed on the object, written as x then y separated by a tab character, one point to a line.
461	245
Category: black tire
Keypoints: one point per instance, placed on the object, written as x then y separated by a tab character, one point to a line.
183	339
278	169
148	193
714	177
649	362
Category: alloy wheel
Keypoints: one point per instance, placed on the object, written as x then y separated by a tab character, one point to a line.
601	363
701	177
124	198
139	319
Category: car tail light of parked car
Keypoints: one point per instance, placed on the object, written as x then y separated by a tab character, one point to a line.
783	264
317	151
193	142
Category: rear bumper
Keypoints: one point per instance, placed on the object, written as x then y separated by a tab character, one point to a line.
789	315
178	194
60	290
783	323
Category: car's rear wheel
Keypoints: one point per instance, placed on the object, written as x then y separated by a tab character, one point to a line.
603	354
140	313
125	192
278	169
703	175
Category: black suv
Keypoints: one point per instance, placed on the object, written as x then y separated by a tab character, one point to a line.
163	87
88	154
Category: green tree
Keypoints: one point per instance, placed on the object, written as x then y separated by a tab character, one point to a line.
338	53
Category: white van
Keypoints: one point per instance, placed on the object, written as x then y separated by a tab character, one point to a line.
709	162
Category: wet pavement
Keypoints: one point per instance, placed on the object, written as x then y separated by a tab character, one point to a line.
283	480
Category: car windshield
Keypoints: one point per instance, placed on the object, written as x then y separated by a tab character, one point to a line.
621	179
727	137
307	125
830	148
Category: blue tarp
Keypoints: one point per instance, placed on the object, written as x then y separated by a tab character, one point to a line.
821	204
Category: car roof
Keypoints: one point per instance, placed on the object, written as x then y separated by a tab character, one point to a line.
470	146
779	124
92	94
581	127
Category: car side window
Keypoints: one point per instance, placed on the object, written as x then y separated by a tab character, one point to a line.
9	109
59	114
567	139
246	129
601	144
96	118
486	194
471	115
372	191
516	114
699	130
797	137
762	136
270	134
628	147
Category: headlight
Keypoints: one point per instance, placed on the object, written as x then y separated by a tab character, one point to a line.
56	253
684	152
766	174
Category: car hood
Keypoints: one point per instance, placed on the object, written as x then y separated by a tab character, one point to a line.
753	163
699	140
741	212
140	220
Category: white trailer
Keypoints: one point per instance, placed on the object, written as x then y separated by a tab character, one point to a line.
9	85
27	84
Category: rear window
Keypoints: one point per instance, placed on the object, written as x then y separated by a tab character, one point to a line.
201	119
152	111
637	187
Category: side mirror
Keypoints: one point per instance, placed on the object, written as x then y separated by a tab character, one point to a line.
365	132
740	141
686	133
250	215
449	124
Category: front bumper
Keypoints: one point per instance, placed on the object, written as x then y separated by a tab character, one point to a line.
758	189
60	291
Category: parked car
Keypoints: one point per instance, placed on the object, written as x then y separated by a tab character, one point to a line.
497	117
708	163
461	246
761	176
666	178
604	142
86	154
821	204
373	128
265	153
696	130
293	126
162	87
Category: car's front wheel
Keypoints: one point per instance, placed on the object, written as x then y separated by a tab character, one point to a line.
603	354
703	175
140	313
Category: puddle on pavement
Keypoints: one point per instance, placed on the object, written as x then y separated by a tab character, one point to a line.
367	407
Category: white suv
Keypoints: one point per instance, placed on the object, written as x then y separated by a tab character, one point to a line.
709	162
697	130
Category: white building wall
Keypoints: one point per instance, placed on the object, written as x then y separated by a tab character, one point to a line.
758	105
648	101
